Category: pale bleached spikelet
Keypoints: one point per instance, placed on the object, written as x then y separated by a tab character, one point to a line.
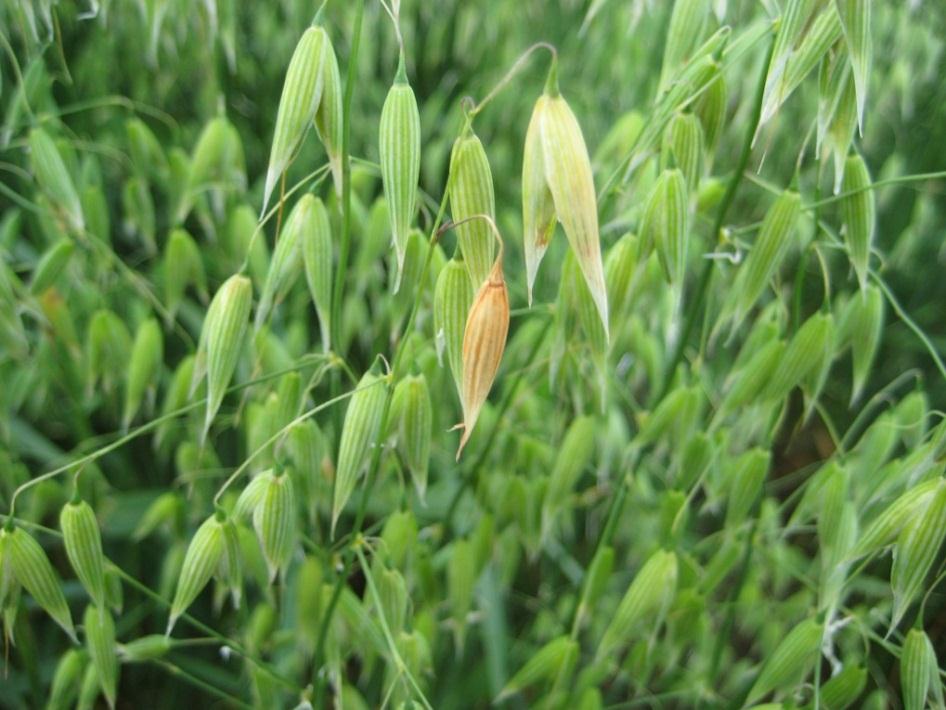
399	148
471	193
329	115
100	642
859	214
818	39
316	246
790	662
144	367
287	262
453	296
225	326
361	433
791	24
917	548
538	209
83	543
32	570
484	339
301	93
275	520
856	19
54	179
557	182
201	560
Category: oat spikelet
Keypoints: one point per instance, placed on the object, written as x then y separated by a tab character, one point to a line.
484	339
557	183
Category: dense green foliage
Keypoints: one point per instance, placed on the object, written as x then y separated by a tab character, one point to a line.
235	428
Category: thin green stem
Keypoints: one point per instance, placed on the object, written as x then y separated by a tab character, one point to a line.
341	272
511	74
148	426
179	672
911	324
275	437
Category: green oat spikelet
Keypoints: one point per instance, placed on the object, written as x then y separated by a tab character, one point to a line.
453	297
54	179
274	519
32	570
83	542
361	433
222	340
201	560
144	368
298	104
411	401
918	669
100	643
790	662
859	215
399	148
316	246
471	193
648	597
916	550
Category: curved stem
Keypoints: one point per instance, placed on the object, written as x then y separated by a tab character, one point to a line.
511	74
298	420
148	426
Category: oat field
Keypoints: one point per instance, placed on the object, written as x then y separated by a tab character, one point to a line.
442	354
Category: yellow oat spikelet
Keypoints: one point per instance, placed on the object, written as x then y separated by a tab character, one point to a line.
484	339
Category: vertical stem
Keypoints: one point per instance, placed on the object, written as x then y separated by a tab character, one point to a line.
344	246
